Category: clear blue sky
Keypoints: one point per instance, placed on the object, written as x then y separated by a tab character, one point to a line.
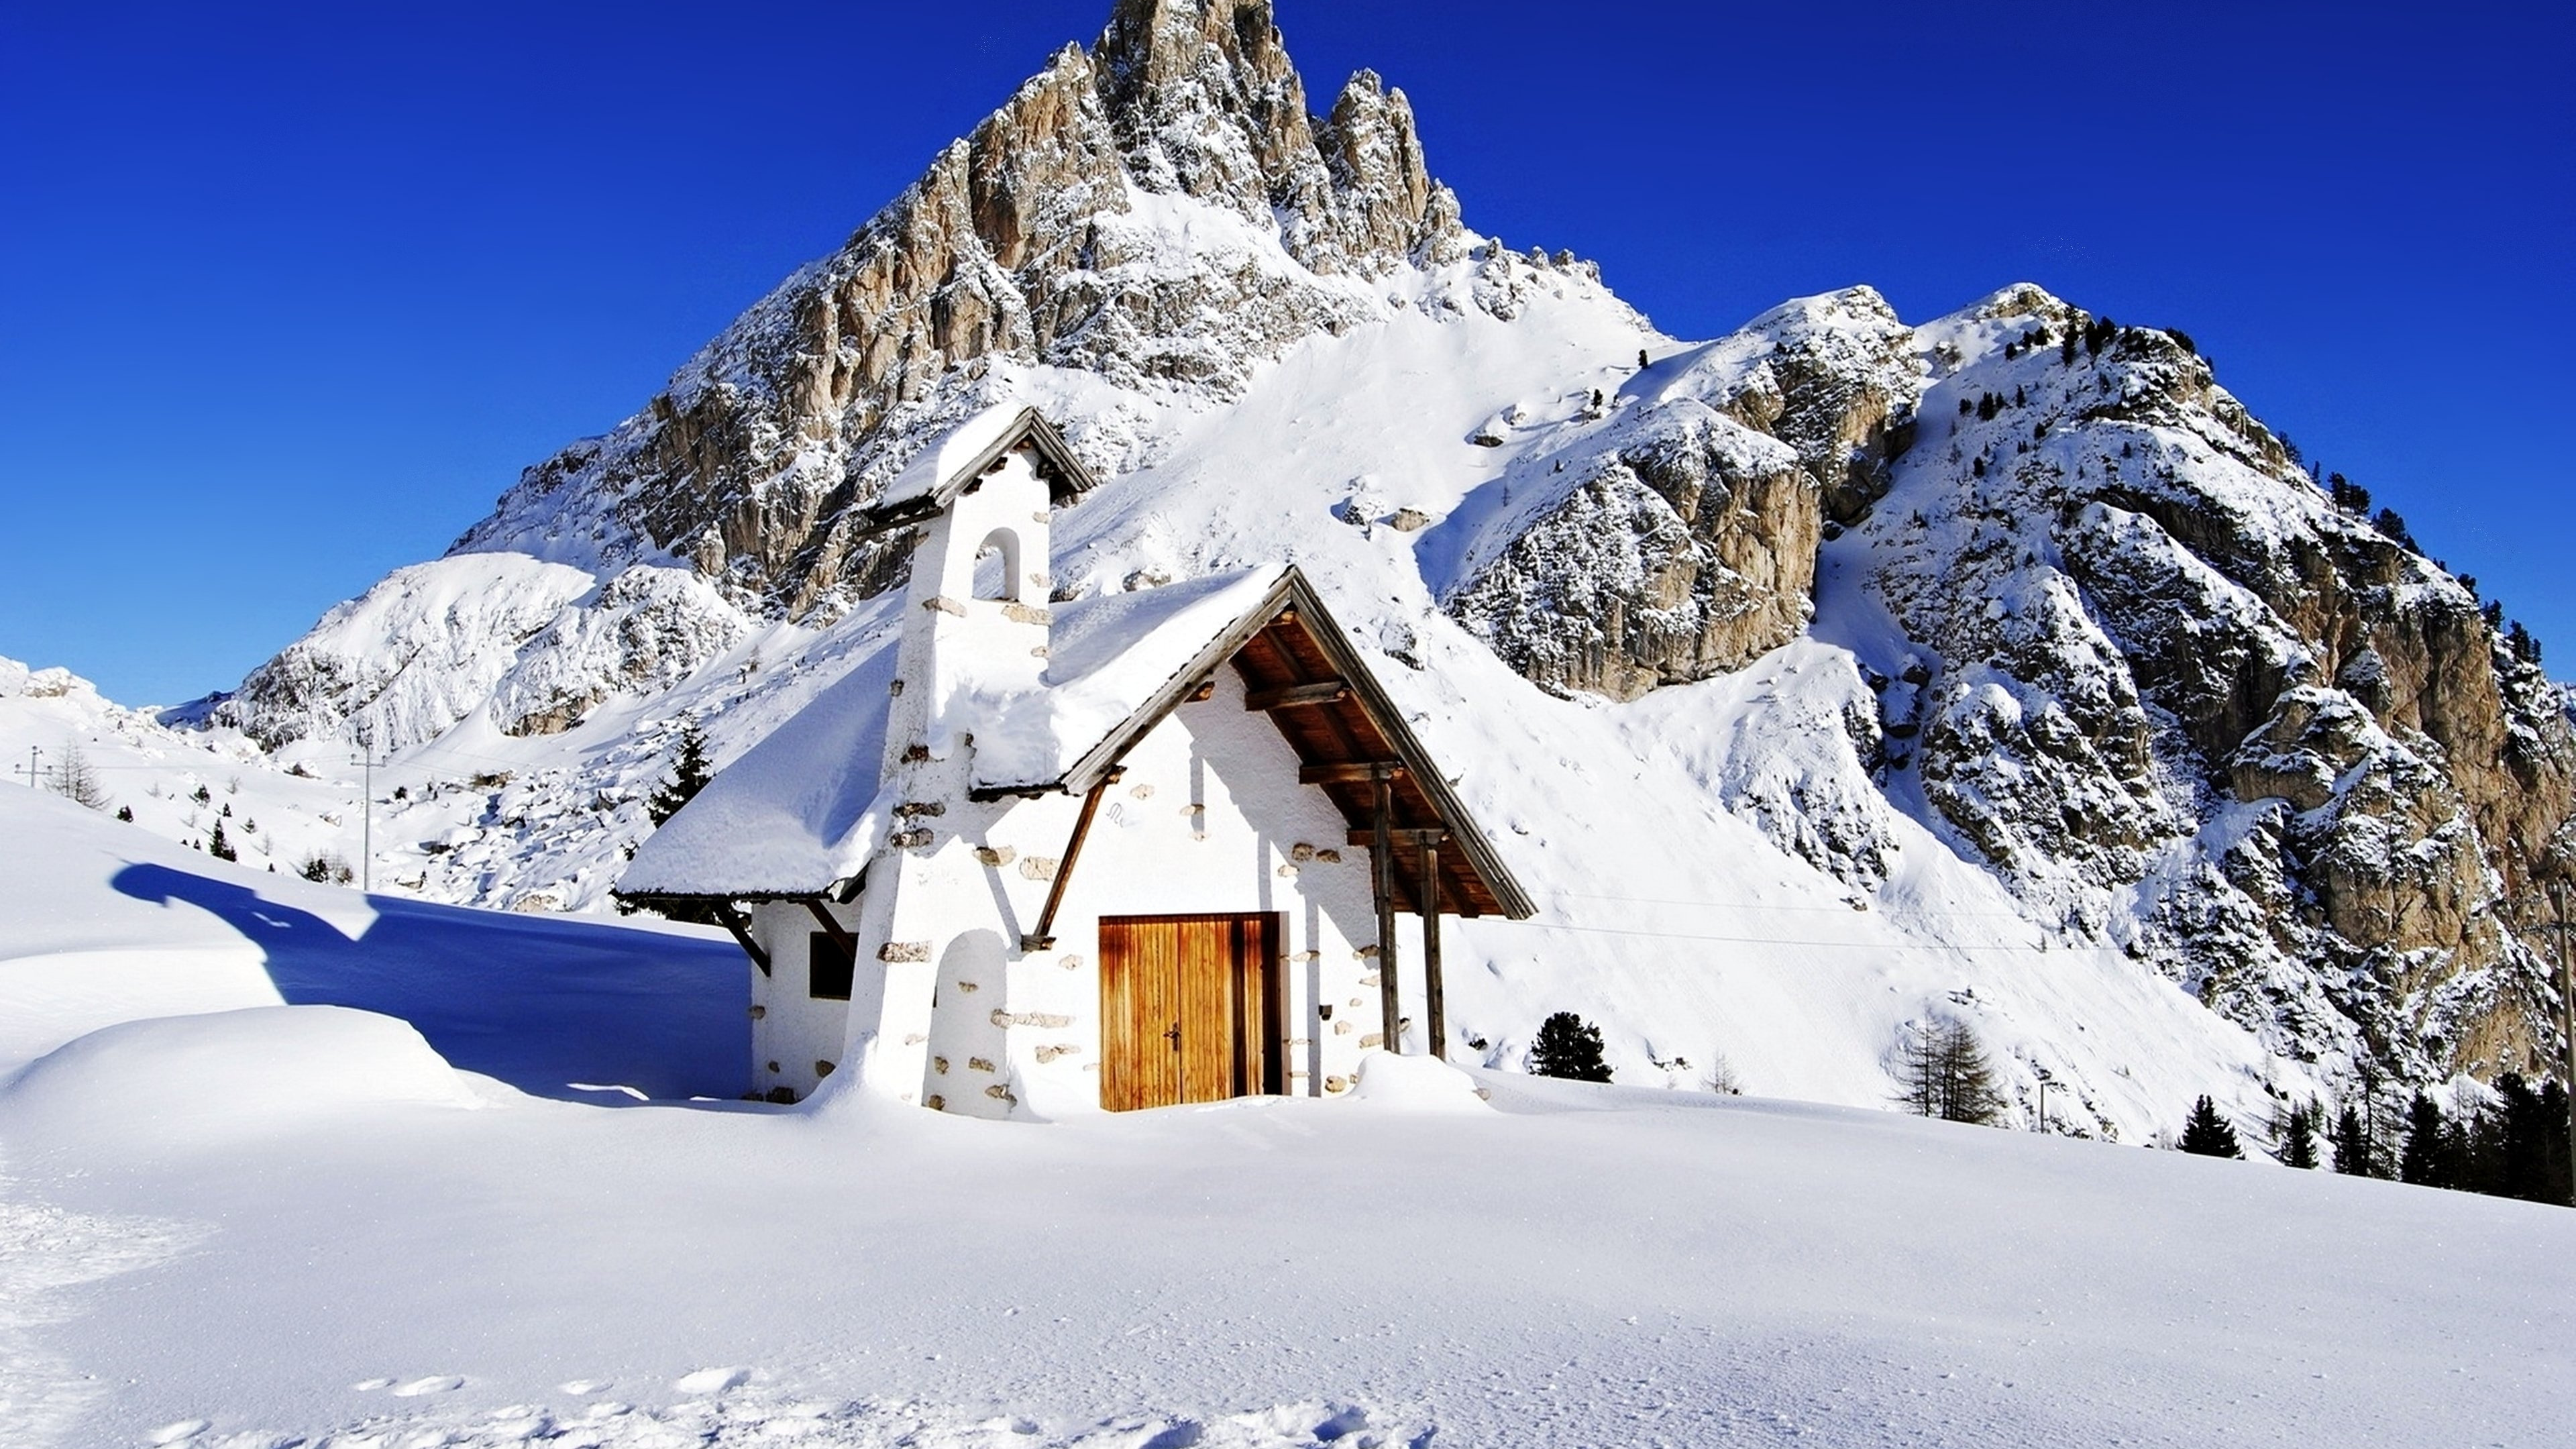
292	293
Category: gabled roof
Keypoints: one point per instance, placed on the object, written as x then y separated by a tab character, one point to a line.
956	458
1299	666
802	813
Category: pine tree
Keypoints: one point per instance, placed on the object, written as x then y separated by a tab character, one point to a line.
2207	1134
125	813
2353	1153
220	848
1567	1046
2297	1135
689	776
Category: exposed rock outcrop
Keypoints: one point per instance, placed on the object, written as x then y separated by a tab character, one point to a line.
2175	676
1043	238
1685	546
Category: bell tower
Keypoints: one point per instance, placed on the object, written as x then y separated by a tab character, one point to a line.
975	617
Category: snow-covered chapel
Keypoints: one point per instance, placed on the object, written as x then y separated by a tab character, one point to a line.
1129	851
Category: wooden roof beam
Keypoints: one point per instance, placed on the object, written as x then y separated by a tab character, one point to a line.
1407	836
1322	691
1349	772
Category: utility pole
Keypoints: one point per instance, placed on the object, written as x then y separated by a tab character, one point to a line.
2566	1023
33	783
2043	1104
367	817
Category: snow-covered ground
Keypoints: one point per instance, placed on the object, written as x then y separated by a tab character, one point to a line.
263	1223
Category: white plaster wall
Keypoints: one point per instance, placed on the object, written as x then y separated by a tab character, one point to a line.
791	1032
1208	817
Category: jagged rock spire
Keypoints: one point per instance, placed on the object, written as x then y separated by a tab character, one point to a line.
1205	102
1020	241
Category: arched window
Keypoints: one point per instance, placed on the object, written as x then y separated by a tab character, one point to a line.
997	566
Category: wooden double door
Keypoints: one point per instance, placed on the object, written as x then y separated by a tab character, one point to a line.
1189	1009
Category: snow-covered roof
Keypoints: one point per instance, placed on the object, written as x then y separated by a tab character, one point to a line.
802	811
936	474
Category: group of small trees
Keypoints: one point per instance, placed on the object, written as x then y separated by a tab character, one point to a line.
75	779
2513	1147
1941	1071
326	869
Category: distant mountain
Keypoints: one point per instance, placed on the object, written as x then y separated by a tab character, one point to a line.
1833	674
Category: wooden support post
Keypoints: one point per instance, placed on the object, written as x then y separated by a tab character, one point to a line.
733	921
1382	858
840	934
1041	939
1433	1007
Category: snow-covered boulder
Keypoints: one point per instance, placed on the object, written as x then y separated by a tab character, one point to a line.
189	1083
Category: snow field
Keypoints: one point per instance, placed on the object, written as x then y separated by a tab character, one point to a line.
1553	1264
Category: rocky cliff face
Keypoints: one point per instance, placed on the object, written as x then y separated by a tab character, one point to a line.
1046	238
2142	666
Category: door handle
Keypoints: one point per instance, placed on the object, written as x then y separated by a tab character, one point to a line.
1174	1036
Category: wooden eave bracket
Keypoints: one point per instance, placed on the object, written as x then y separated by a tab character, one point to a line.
1042	937
740	928
832	927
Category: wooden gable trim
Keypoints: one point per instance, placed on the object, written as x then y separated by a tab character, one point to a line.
1471	845
1293	602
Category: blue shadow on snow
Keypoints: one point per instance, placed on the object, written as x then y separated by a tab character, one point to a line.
538	1002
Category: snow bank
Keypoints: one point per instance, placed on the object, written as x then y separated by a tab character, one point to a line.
192	1082
1415	1084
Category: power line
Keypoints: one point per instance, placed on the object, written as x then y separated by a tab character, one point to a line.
1847	945
1753	906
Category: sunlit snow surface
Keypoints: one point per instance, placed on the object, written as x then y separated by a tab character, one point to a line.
265	1223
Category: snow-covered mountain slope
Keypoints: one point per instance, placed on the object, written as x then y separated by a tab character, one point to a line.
1827	676
422	1254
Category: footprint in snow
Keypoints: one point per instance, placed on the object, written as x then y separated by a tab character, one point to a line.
369	1386
434	1384
184	1429
713	1380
